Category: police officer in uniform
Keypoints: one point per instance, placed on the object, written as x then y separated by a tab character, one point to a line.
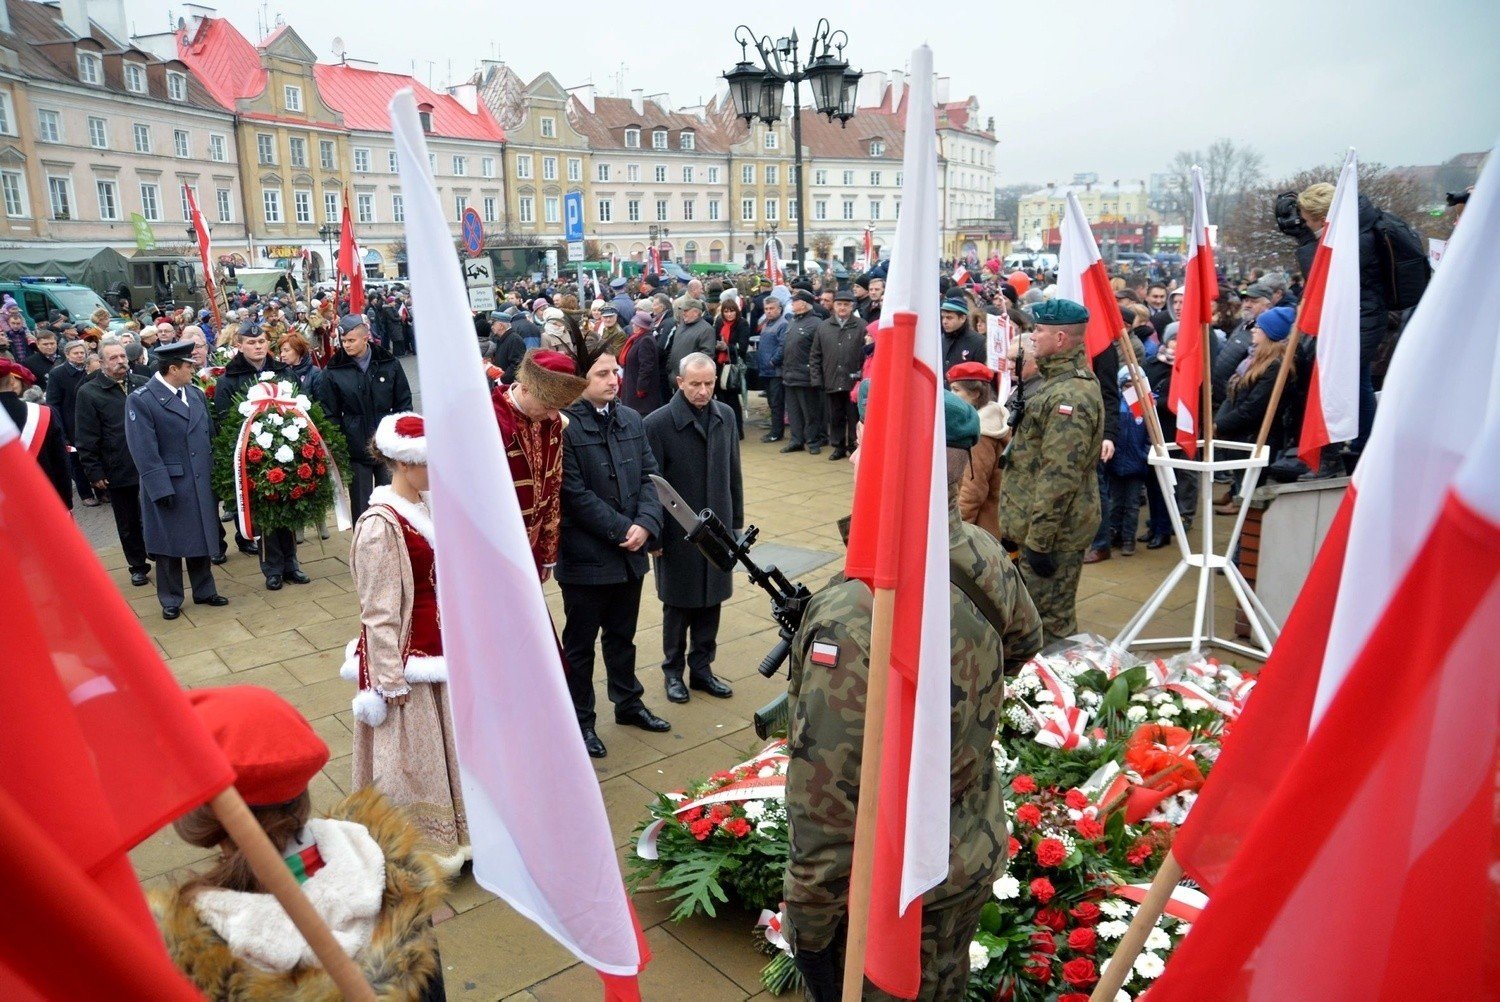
995	630
1050	506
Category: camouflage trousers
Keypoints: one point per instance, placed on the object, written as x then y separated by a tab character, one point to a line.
1055	598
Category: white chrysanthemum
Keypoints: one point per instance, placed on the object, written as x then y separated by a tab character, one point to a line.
1158	940
1114	907
1027	682
1007	887
1141	697
1112	930
291	432
256	428
266	377
1168	710
275	419
979	957
1183	928
1135	714
283	454
263	439
1149	965
755	810
301	401
1088	697
1161	698
1045	696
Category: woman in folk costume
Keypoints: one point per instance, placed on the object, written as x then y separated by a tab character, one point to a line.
403	734
362	867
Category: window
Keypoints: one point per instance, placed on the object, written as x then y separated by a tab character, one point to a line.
98	133
632	173
523	167
226	207
633	210
552	206
364	207
187	210
820	177
874	209
773	209
297	151
848	208
398	209
713	175
333	208
601	172
425	117
325	154
747	173
109	199
489	208
527	209
460	206
687	175
747	210
633	139
875	179
217	148
549	168
688	140
181	145
48	126
177	86
549	128
302	206
142	138
771	141
848	179
291	98
270	199
896	205
460	166
715	209
661	210
13	184
773	174
575	169
265	147
135	78
820	208
151	202
877	147
688	205
792	211
898	179
361	161
606	213
659	139
487	166
90	68
60	197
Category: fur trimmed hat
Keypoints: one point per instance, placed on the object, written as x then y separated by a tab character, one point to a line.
403	438
552	377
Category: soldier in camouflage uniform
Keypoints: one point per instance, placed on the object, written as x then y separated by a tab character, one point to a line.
829	670
1050	506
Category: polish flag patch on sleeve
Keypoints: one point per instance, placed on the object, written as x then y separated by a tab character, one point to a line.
824	654
1066	410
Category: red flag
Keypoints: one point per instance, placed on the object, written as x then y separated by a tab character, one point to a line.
349	263
1200	290
960	275
1081	277
773	263
102	748
1330	311
869	248
205	254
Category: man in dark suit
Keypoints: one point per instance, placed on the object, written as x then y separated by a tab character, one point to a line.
43	358
99	427
610	515
41	430
169	432
62	394
362	384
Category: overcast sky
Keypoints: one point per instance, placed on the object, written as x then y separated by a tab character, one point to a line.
1110	86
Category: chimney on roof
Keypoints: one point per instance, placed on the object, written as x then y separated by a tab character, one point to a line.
898	86
940	89
466	94
196	15
637	101
661	100
110	15
871	89
75	17
585	96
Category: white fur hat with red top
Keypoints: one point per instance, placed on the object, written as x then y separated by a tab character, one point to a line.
403	438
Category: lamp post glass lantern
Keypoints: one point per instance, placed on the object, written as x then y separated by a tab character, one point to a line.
760	93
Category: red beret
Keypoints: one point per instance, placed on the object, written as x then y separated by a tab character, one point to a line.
971	370
273	749
556	361
25	375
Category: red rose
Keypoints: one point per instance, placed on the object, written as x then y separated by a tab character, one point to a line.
1076	799
1086	914
275	475
1089	828
1050	918
701	829
1038	967
322	469
1042	942
1012	847
296	492
1080	973
1023	784
255	454
304	471
1029	815
308	451
1083	940
738	827
1051	852
208	391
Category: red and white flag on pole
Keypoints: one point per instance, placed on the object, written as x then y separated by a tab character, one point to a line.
351	265
1330	312
1081	277
869	248
774	274
899	539
960	274
536	817
1200	289
1360	782
205	254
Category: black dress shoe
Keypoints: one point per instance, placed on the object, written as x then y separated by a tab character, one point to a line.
249	549
139	579
219	560
170	613
713	686
813	450
591	741
645	720
770	438
1156	542
836	455
273	582
215	601
794	447
296	577
1145	537
676	691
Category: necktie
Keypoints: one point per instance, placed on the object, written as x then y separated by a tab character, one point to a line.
182	395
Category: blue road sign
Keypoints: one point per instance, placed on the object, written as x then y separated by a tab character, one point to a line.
473	232
573	210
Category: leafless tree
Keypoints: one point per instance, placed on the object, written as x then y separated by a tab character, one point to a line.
1229	171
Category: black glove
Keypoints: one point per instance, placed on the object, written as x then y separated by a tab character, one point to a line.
166	502
822	972
1044	565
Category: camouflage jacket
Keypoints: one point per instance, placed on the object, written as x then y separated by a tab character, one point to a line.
827	728
1051	498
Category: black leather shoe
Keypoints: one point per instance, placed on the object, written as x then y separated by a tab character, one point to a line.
273	583
296	577
813	450
836	455
249	549
645	720
1145	537
713	686
170	613
770	438
676	691
794	447
591	741
219	560
1156	542
216	601
139	579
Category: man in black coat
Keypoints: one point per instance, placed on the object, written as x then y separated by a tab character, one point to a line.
697	447
62	394
510	346
835	360
610	518
43	358
804	394
40	428
961	343
362	384
104	455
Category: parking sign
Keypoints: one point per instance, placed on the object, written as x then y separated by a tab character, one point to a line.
573	214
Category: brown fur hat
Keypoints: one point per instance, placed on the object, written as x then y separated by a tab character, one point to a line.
551	377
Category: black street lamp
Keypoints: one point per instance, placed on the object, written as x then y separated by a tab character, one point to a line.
328	232
760	92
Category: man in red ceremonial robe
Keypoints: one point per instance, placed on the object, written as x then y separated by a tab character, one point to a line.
531	429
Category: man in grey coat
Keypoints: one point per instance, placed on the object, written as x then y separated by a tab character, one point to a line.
804	394
169	432
696	446
693	334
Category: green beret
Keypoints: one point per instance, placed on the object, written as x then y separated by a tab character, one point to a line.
1059	313
960	421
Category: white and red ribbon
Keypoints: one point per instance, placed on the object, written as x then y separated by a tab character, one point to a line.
1066	726
771	787
274	395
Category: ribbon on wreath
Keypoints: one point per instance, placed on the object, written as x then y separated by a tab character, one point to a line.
1185	904
271	395
771	922
1065	726
772	787
1185	683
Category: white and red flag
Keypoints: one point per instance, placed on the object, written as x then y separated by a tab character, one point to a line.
774	274
205	254
350	263
960	274
869	248
1359	785
1200	289
536	817
1081	277
898	540
1330	312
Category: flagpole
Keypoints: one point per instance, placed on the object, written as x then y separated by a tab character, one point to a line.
1113	978
1287	355
275	876
1142	392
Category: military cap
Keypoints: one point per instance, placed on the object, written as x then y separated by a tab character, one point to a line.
180	351
617	283
1059	313
352	322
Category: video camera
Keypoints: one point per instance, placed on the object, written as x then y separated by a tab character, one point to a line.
1288	218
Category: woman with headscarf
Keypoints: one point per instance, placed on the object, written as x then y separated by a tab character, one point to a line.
733	340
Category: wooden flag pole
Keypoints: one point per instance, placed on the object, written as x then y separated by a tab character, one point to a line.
1208	400
1289	353
275	876
882	620
1143	393
1152	906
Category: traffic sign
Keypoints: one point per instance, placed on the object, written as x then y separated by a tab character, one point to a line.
473	231
573	214
575	250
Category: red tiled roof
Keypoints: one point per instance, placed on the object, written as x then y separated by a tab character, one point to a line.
958	113
605	128
364	97
829	139
224	60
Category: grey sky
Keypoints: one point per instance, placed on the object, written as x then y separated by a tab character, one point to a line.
1110	86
